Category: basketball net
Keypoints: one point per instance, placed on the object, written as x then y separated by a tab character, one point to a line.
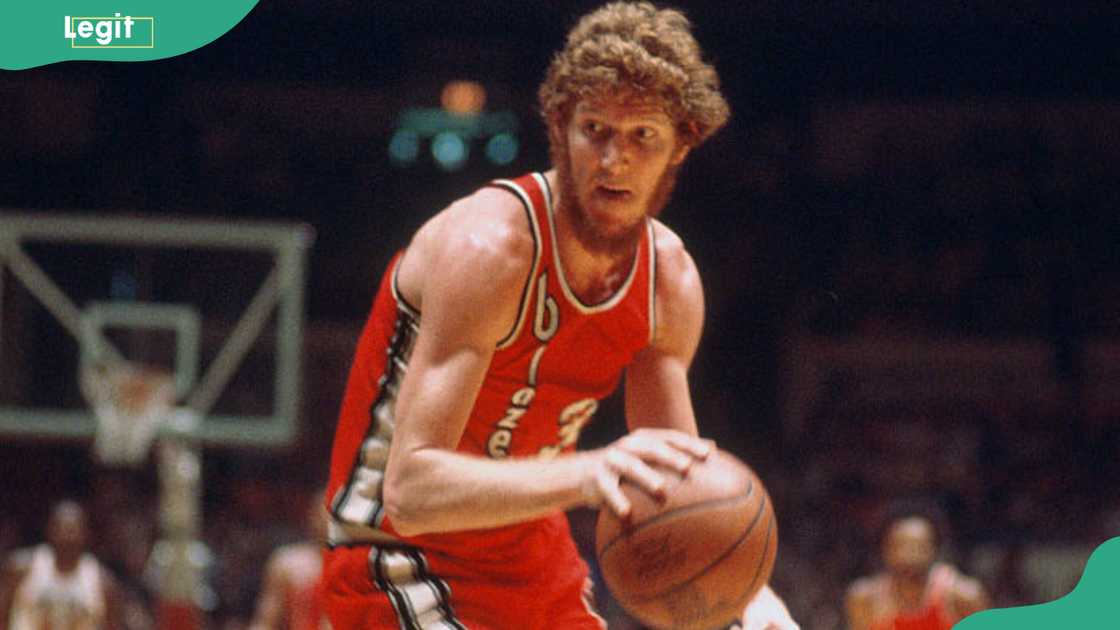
130	403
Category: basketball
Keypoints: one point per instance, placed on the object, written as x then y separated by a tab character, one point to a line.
694	560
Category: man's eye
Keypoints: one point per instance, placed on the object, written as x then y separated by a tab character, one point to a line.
593	128
646	133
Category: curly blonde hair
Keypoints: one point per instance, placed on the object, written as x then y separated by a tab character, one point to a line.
637	47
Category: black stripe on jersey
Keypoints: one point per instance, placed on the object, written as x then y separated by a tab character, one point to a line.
407	614
522	310
400	346
439	588
397	598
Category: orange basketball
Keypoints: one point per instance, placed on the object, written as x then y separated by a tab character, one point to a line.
693	561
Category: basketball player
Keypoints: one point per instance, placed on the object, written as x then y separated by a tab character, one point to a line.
914	592
292	597
495	334
59	584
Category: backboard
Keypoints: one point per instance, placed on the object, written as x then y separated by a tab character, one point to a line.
217	304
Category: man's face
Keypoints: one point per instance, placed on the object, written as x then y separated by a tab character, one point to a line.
909	548
617	164
67	534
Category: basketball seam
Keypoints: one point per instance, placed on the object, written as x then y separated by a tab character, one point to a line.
765	553
761	562
685	509
686	581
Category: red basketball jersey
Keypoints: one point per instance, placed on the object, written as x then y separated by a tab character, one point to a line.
933	614
543	386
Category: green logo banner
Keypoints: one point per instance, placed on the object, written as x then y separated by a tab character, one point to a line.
42	33
1092	604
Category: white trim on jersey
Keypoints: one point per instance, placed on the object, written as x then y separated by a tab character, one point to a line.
358	504
397	297
588	598
585	309
538	250
535	364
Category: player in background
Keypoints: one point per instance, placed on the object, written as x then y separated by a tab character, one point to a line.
291	598
914	592
496	332
59	584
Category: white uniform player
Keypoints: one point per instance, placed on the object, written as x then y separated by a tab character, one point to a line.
59	585
49	598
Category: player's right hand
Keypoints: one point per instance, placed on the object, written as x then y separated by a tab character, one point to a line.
634	458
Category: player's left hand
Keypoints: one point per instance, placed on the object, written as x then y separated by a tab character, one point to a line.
767	612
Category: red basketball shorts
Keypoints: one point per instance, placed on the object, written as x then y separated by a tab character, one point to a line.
394	588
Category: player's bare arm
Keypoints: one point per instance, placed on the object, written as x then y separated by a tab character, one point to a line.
269	614
658	397
968	596
466	270
857	605
14	570
657	391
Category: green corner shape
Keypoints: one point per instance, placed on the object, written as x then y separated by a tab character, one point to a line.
51	31
1091	605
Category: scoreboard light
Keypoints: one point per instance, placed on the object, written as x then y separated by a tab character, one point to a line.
449	150
451	130
463	97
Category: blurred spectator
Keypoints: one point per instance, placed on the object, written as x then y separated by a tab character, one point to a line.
913	592
59	584
290	598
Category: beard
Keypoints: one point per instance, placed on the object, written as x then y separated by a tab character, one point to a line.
592	234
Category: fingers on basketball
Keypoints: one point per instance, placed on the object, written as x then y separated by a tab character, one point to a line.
693	560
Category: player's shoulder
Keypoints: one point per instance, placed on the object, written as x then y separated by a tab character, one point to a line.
864	589
18	562
488	230
964	587
670	246
479	248
676	270
679	294
296	553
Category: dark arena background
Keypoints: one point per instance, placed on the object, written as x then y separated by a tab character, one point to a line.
908	235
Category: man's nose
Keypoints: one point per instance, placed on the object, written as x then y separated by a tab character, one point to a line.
615	157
